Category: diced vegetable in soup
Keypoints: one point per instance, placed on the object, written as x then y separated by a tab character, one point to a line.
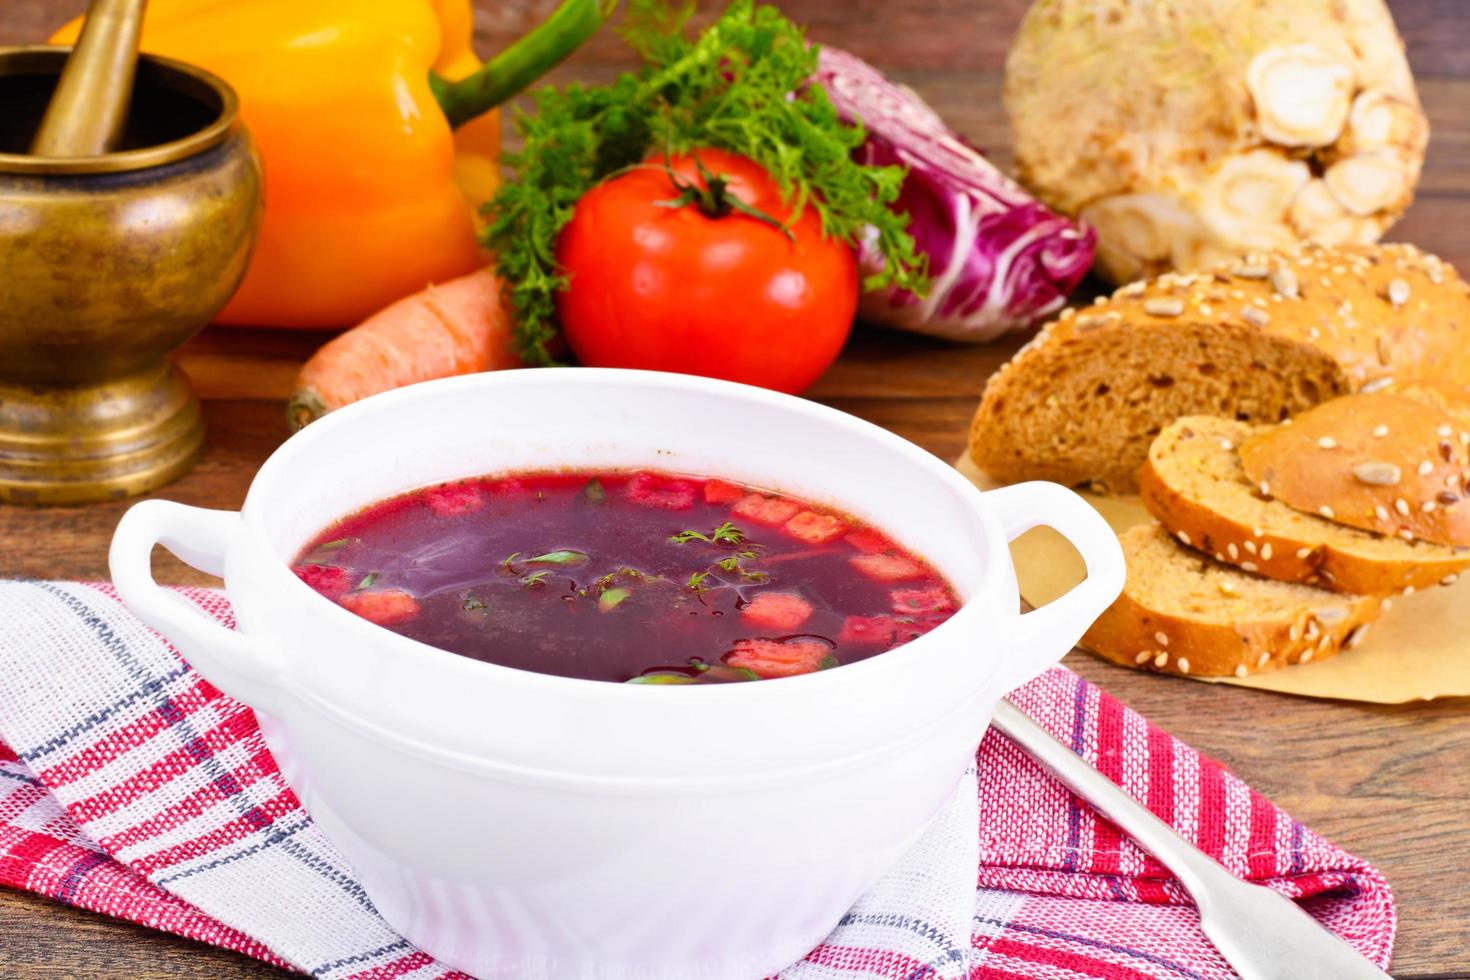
647	578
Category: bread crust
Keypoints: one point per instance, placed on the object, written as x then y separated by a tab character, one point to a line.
1359	315
1381	462
1126	629
1323	558
1129	631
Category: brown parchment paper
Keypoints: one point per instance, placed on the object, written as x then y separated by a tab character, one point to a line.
1419	649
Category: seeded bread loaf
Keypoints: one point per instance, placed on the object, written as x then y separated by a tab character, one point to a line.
1258	340
1184	613
1451	398
1383	462
1194	484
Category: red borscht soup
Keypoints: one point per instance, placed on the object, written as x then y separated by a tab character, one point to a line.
641	577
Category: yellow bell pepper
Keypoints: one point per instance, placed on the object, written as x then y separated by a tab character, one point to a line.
376	125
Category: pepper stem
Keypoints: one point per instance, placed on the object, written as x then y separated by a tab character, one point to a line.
504	75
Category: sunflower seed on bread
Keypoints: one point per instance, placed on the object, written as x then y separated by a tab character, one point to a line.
1218	620
1194	484
1400	464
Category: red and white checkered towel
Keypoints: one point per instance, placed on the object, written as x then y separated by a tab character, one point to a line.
130	786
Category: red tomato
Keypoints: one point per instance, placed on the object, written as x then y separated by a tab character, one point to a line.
673	289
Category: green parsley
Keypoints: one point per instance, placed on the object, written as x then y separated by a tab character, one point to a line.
612	598
742	86
323	552
726	533
732	565
474	609
593	493
664	678
569	559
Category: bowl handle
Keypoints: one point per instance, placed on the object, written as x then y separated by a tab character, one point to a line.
1048	633
242	667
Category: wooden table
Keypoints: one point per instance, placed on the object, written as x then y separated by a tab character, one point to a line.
1390	783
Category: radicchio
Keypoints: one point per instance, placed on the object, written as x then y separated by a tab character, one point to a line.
998	259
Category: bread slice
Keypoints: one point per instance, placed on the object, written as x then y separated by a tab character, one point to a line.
1194	484
1384	462
1258	340
1184	613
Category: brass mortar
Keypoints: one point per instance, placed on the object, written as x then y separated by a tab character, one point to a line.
107	264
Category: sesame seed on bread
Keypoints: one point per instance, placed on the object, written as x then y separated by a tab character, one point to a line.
1258	340
1383	462
1194	484
1184	613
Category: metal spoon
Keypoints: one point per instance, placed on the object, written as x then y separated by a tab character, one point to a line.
1261	933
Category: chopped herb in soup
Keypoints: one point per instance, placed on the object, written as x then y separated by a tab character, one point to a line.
643	578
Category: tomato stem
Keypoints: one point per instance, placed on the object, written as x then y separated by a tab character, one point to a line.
713	197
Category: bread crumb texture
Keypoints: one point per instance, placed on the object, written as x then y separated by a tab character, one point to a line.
1218	620
1196	486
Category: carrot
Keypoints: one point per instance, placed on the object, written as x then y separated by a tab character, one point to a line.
886	568
777	610
814	528
457	327
774	658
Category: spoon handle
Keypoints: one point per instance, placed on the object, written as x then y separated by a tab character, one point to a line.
90	105
1261	933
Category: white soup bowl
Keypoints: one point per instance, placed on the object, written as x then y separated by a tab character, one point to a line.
516	824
